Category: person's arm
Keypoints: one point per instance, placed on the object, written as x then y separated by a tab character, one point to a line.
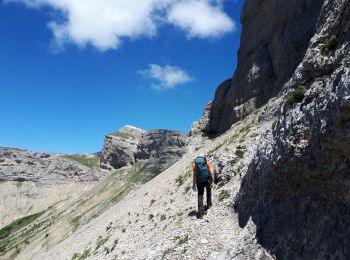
194	179
211	170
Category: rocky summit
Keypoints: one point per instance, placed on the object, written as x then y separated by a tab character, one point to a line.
129	145
277	133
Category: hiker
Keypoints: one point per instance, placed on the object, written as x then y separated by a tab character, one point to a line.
203	177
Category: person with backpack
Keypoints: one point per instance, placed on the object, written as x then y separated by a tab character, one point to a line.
203	178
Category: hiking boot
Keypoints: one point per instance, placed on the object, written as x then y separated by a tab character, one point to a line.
199	216
200	205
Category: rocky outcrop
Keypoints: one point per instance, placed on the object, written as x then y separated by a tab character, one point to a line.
275	37
296	192
22	165
119	148
160	148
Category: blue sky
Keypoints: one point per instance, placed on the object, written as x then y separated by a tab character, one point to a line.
71	73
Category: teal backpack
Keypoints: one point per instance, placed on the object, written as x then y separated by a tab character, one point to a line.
202	171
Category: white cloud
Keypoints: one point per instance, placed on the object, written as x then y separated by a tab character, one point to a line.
104	24
200	19
167	77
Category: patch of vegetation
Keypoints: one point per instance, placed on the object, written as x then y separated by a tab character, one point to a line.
187	188
330	45
297	96
124	190
152	201
182	178
88	161
162	217
143	174
181	240
150	216
109	226
18	224
115	243
224	181
100	242
224	194
85	254
274	123
240	153
123	135
75	222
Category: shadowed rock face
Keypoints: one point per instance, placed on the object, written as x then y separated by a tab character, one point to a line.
297	188
274	40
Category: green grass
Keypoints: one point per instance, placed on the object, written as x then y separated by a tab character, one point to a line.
187	188
297	96
224	181
182	240
75	222
18	224
88	161
85	254
162	217
124	190
330	45
182	178
224	194
7	242
100	242
124	135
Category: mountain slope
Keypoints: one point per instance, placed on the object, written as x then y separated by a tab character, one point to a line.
158	220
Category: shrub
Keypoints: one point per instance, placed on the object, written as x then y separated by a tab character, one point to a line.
100	242
331	44
150	216
152	201
162	217
297	96
224	194
182	240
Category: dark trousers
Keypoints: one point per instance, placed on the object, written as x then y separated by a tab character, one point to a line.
200	187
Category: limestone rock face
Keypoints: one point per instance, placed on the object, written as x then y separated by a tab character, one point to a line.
275	37
297	188
22	165
160	147
119	148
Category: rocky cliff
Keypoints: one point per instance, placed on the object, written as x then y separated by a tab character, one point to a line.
275	37
119	148
160	148
296	191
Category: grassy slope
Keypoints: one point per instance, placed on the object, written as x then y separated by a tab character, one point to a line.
90	161
64	219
